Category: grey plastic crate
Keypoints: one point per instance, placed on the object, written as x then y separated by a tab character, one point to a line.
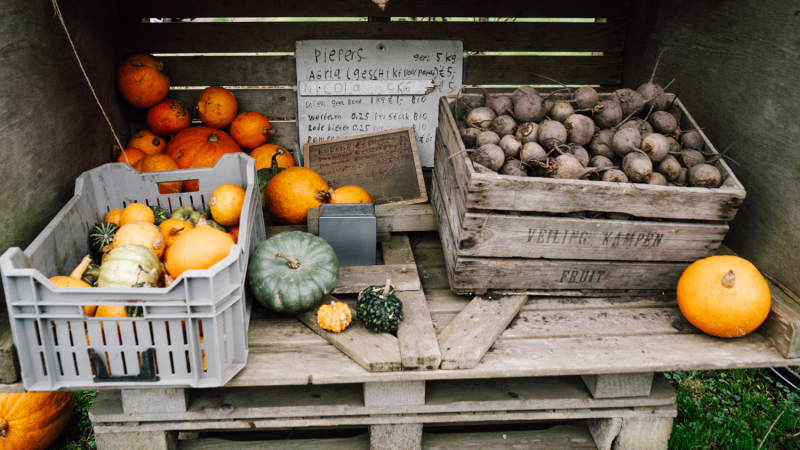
201	314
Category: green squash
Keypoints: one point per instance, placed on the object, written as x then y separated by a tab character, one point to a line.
264	176
101	235
160	214
217	226
379	309
292	272
128	265
91	274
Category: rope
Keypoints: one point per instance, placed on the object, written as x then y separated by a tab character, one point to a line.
61	19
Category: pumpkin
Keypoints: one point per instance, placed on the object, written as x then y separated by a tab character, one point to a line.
291	192
199	147
160	214
74	280
217	226
334	317
136	211
198	249
379	309
129	155
168	118
251	129
147	141
173	228
226	204
90	275
724	296
102	235
234	232
349	194
113	216
216	107
264	177
264	155
188	214
140	233
292	271
142	81
33	420
157	163
128	265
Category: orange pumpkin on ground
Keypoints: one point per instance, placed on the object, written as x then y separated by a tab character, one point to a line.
148	142
113	216
168	118
216	107
198	249
136	211
142	81
226	204
131	156
263	156
140	233
349	194
251	129
33	420
234	232
157	163
199	147
291	192
724	296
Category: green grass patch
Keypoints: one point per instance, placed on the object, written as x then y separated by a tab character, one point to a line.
78	434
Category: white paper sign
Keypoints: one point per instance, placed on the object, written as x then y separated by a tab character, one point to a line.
352	87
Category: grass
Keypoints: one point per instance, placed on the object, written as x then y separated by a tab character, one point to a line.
78	435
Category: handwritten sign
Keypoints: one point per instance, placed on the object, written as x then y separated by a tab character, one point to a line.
386	164
352	87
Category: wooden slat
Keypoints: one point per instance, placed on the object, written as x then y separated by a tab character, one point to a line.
467	338
563	437
231	70
782	326
273	103
360	442
353	279
391	218
620	384
376	352
273	230
209	37
357	8
9	365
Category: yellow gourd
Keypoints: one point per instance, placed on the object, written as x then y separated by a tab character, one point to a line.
334	317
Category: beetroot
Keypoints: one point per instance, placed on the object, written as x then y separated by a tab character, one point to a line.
580	129
693	140
704	175
691	158
669	167
504	125
481	117
656	147
674	147
657	179
513	167
567	167
631	101
528	132
500	104
585	97
626	140
522	91
580	153
487	137
529	108
470	137
532	153
681	180
614	176
608	114
489	156
601	162
664	123
638	123
653	93
552	133
638	167
510	145
602	144
561	110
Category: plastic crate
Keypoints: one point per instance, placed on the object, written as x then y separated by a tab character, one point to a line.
199	320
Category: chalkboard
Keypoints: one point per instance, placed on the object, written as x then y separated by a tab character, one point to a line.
385	163
351	87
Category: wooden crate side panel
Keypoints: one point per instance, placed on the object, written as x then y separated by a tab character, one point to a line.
210	37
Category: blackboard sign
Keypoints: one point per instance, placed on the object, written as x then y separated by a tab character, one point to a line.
386	164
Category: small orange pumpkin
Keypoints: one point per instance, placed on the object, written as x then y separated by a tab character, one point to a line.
198	249
724	296
216	107
113	216
199	147
263	156
140	233
349	194
33	420
172	229
147	141
168	118
74	280
234	232
251	129
291	192
142	81
136	211
226	204
131	156
156	163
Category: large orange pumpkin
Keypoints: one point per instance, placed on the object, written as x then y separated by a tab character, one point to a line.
33	420
724	296
198	249
140	233
263	156
291	192
131	156
168	118
251	129
142	81
157	163
349	194
147	141
226	204
199	147
216	107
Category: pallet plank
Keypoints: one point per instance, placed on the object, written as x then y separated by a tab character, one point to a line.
390	218
376	352
353	279
467	338
360	442
620	384
278	103
562	437
782	326
210	37
395	436
9	364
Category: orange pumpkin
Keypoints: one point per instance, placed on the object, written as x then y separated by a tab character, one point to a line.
172	229
168	118
251	129
131	156
349	194
724	296
234	232
198	249
136	211
148	142
226	204
33	420
74	280
291	192
263	156
199	147
157	163
142	81
140	233
216	107
113	216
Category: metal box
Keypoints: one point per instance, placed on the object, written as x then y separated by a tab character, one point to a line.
351	229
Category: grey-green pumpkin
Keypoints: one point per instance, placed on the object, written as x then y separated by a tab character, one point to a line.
292	272
128	265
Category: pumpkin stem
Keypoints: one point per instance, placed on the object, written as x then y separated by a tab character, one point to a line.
174	231
729	279
213	137
333	304
78	272
294	263
156	141
3	428
266	131
136	63
386	288
201	221
322	196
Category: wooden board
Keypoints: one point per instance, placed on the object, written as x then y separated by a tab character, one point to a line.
467	338
353	279
360	442
782	326
386	164
391	218
562	437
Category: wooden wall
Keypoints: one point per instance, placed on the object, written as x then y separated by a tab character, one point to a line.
51	129
736	65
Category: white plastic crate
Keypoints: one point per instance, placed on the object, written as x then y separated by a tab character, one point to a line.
201	314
